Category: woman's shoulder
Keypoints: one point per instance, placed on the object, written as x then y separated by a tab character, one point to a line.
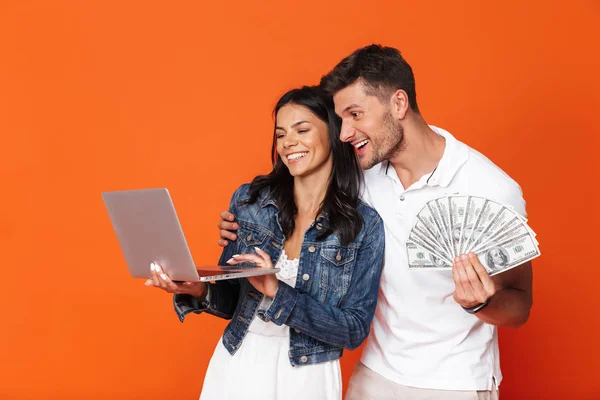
243	192
247	204
369	214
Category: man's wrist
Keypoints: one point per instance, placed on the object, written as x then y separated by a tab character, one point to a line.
477	308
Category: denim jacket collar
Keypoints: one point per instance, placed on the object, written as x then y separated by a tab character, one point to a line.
267	200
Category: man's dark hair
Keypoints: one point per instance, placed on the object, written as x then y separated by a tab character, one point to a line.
382	70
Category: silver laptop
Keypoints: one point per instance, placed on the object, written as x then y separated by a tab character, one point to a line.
148	231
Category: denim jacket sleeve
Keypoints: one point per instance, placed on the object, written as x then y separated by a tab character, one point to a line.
223	294
348	324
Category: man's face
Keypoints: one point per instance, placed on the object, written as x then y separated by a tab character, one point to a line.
368	124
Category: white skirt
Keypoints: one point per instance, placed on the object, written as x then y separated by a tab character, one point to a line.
261	369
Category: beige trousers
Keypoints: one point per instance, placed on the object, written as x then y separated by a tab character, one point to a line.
366	384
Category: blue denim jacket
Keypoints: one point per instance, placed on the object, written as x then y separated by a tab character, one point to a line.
333	303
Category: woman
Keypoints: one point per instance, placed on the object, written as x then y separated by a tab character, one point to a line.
288	331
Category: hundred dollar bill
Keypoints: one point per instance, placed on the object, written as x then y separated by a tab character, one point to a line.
508	254
422	239
515	226
419	257
437	221
442	205
427	218
486	216
472	211
497	216
457	205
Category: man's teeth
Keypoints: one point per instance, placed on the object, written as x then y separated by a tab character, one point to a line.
296	156
361	144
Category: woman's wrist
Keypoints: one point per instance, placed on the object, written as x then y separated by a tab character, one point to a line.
202	291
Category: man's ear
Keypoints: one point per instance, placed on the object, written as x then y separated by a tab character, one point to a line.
400	104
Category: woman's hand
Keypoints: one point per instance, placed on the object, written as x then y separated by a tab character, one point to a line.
266	284
162	281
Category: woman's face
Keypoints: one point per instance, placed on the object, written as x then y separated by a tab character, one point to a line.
302	141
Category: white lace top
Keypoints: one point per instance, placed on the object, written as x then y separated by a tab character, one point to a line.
289	268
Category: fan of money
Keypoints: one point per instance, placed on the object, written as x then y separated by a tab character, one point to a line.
452	225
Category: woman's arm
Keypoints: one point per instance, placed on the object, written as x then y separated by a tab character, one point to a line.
348	324
222	296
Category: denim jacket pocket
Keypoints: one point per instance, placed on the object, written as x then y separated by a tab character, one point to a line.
337	255
337	262
251	236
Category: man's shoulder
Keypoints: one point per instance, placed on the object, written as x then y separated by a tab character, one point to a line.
484	170
481	176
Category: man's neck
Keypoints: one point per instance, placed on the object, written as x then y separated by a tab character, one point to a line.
421	153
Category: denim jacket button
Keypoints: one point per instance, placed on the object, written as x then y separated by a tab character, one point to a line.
303	359
305	277
297	330
319	226
312	249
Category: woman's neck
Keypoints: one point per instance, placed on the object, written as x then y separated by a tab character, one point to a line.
310	191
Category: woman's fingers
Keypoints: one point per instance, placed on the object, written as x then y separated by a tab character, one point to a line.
265	256
154	273
162	280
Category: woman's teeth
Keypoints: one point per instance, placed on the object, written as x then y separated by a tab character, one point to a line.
296	156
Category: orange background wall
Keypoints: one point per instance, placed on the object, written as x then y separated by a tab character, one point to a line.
106	95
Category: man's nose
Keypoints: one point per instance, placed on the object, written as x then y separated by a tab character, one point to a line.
347	132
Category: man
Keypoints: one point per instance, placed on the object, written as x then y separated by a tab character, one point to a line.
434	335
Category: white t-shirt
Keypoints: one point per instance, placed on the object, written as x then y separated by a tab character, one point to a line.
421	337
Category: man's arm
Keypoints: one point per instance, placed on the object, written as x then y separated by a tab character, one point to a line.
509	294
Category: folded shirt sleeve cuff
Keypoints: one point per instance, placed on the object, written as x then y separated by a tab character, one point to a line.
282	304
186	303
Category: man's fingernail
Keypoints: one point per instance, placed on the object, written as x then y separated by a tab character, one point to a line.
464	257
